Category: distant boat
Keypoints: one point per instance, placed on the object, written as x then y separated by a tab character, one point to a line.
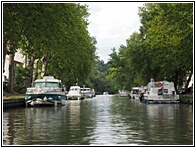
135	93
123	93
46	92
75	93
106	93
87	92
160	92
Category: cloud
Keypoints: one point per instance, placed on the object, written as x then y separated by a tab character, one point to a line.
112	23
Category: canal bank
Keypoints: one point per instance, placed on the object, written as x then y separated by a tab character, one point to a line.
186	99
19	101
16	100
8	103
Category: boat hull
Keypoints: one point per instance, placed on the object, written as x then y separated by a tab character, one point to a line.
32	100
88	95
123	95
75	98
160	101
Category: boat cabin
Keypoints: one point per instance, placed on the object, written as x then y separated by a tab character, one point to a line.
47	81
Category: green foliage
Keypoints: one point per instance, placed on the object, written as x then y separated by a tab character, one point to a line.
170	38
11	26
21	75
56	32
163	48
98	78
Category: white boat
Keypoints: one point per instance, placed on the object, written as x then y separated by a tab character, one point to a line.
123	93
135	93
93	92
46	91
105	93
162	92
75	93
87	92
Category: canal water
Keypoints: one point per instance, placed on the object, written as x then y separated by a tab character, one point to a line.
105	120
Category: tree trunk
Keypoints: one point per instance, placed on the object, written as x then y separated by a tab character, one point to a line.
11	73
188	80
176	80
35	71
29	66
44	66
4	54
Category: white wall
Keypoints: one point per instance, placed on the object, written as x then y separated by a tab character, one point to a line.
18	57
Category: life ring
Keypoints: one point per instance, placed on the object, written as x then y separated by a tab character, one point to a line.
159	84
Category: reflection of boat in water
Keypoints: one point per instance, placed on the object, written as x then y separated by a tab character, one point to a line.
87	92
160	92
75	93
47	91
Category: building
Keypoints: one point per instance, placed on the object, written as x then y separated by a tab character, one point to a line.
18	60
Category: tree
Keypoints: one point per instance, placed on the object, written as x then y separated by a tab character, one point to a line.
162	48
52	37
98	78
11	36
170	36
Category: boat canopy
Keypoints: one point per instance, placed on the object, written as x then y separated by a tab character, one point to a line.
74	88
47	81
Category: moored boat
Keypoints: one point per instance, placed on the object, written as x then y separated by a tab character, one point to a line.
123	93
162	92
75	93
135	93
46	92
106	93
88	92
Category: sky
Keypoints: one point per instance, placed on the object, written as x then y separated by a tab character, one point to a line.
112	23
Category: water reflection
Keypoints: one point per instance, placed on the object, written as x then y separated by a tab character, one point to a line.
74	114
103	120
164	124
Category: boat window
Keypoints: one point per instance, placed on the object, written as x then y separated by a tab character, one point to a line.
46	84
134	91
52	84
160	92
165	90
74	89
39	84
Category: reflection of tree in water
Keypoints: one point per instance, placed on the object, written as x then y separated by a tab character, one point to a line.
101	120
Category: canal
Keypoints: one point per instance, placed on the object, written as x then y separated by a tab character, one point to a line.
103	120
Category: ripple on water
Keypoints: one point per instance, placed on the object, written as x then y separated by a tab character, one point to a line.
103	120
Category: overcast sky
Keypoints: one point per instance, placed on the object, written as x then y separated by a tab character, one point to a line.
112	23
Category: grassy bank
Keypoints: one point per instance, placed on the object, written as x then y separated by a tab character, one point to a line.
187	99
7	96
